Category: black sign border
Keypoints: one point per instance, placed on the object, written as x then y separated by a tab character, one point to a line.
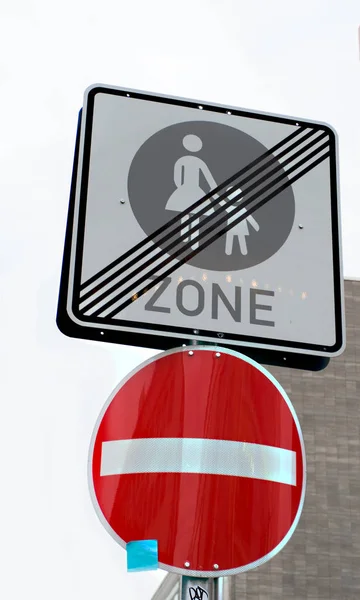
154	339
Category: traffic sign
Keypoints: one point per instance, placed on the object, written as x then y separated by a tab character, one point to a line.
195	220
202	451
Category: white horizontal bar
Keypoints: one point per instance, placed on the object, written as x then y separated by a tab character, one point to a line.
196	455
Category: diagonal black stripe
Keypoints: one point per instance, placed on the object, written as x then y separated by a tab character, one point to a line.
201	247
211	218
212	239
196	204
213	202
190	244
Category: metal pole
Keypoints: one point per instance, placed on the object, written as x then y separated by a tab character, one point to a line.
224	588
200	588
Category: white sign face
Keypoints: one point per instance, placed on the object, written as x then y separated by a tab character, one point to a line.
202	222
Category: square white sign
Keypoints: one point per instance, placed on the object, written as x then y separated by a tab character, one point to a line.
202	222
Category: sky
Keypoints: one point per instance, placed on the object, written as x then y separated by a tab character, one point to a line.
299	59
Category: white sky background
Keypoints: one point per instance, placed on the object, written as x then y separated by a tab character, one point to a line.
296	58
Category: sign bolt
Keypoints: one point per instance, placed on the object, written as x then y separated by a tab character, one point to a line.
122	201
217	354
191	353
187	564
196	331
301	226
216	566
220	335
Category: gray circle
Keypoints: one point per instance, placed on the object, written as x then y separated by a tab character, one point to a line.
224	150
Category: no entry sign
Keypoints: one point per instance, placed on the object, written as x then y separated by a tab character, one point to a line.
201	450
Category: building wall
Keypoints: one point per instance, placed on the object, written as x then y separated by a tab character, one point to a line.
322	559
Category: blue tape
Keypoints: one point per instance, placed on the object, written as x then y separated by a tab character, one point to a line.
142	555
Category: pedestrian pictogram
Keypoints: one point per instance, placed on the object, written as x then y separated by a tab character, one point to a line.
177	167
202	451
187	217
187	176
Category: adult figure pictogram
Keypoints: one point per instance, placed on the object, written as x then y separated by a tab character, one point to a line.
187	172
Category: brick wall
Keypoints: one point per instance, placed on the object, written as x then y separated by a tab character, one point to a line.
322	559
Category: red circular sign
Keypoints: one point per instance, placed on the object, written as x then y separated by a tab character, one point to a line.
201	450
